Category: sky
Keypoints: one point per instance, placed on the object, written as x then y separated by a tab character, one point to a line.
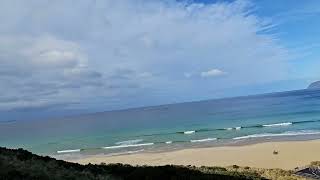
61	58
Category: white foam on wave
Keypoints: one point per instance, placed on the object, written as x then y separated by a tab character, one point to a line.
235	128
189	132
169	142
124	153
278	124
129	142
69	151
289	133
128	145
203	140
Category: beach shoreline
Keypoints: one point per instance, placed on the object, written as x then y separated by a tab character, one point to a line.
291	154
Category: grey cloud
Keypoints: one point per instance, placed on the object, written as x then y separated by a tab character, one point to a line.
90	51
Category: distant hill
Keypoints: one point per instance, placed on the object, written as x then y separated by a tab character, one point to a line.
315	85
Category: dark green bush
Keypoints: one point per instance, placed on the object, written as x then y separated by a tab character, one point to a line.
21	164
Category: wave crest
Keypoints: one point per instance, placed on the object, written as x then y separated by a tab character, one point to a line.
126	146
189	132
203	140
289	133
232	128
129	142
68	151
124	153
278	124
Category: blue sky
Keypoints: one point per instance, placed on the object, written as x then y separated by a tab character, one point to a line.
69	57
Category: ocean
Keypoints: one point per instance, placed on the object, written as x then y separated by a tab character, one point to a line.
293	115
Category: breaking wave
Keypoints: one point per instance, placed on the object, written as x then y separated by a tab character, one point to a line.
189	132
135	143
129	142
289	133
233	128
68	151
124	153
278	124
128	145
203	140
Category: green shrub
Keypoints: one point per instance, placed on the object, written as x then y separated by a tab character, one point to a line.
21	164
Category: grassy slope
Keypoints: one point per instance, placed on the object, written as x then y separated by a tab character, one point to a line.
21	164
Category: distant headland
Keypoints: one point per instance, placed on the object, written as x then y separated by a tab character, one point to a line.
314	85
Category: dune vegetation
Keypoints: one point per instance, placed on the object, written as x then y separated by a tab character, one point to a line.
21	164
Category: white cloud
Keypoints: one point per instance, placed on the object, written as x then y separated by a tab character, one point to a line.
50	52
40	53
212	73
115	49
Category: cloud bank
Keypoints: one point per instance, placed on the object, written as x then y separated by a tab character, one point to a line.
86	53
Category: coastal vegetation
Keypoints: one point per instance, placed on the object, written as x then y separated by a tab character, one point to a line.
22	164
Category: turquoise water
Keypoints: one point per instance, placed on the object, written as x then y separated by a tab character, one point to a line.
294	115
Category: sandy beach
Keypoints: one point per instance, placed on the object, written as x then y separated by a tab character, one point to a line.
291	154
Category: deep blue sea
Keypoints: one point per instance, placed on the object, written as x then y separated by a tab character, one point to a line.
288	115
